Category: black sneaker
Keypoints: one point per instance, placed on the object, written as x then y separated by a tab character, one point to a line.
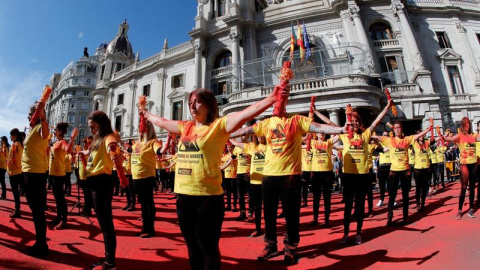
38	251
267	253
125	207
459	215
105	266
470	213
290	258
100	262
313	223
15	214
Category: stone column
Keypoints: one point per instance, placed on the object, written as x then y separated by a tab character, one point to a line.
416	57
469	51
333	115
345	16
235	51
198	64
362	37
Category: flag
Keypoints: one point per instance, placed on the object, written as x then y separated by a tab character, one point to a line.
306	41
300	42
292	43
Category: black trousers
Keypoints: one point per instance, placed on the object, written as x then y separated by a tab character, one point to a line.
87	197
421	185
201	219
354	188
116	183
2	183
37	200
441	172
382	175
287	189
306	178
228	186
468	178
434	167
240	187
130	192
394	178
59	195
15	183
145	188
256	202
101	187
322	182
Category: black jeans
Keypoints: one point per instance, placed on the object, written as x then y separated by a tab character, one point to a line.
145	188
322	182
59	195
240	186
116	183
382	175
287	189
441	172
201	219
68	183
228	186
421	185
468	177
434	168
130	192
2	183
394	178
87	197
37	200
15	183
306	178
101	187
354	188
256	202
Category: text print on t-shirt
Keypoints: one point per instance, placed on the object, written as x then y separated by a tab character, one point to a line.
186	154
278	139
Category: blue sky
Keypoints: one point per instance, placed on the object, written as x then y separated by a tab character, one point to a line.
40	37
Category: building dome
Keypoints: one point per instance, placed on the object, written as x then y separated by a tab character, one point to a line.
102	46
121	43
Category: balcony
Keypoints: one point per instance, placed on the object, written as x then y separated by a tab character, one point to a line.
465	4
386	44
404	90
222	72
460	98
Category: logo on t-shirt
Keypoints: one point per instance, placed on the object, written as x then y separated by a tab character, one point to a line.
278	133
259	155
188	146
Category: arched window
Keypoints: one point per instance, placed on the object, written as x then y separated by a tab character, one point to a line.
224	59
379	31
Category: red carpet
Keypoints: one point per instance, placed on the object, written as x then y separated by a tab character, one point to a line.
433	239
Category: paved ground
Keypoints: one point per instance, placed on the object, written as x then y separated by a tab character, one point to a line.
433	239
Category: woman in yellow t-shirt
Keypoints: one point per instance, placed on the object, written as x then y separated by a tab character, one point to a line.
400	168
102	155
229	168
57	172
421	171
465	140
200	205
81	162
14	169
144	176
127	167
4	149
356	172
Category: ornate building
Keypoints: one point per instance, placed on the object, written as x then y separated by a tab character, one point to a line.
421	50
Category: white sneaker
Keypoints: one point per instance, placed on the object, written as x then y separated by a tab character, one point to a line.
380	203
395	204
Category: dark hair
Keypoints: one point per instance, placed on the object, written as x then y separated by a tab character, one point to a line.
16	132
105	129
5	140
398	123
23	135
208	98
463	122
62	126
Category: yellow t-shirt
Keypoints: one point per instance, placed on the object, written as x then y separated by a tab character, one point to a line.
68	163
127	164
467	148
477	147
440	151
284	143
306	160
411	157
57	160
34	157
158	162
14	162
99	161
371	148
398	152
173	160
230	170
3	157
355	152
433	157
257	152
199	157
82	171
143	159
421	155
243	161
322	156
384	156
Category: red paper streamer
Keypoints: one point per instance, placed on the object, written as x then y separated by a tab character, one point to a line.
285	76
142	102
440	134
389	97
348	112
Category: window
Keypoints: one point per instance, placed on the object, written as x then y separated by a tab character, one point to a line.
118	67
84	105
221	88
393	69
88	81
86	93
146	90
220	8
97	106
81	134
223	60
120	99
72	105
83	118
71	118
75	80
478	37
102	72
118	123
177	81
455	80
379	31
443	40
177	110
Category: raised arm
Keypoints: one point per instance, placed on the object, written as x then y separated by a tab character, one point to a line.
44	131
237	143
380	116
325	119
326	129
423	133
224	166
451	138
242	132
236	120
169	125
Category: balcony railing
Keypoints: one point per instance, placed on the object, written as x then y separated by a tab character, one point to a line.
386	43
222	71
458	3
407	89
